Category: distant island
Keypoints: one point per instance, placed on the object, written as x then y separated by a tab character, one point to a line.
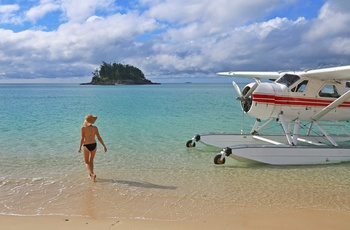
118	74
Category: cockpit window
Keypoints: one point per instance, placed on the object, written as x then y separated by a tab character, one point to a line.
301	87
329	91
288	79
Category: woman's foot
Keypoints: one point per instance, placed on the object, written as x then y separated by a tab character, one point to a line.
93	177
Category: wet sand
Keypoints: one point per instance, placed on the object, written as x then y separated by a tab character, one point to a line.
243	219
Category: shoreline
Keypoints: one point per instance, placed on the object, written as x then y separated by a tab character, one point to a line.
243	219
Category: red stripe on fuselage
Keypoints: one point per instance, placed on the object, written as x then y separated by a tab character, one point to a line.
293	101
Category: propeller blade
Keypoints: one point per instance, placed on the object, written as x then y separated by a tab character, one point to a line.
237	88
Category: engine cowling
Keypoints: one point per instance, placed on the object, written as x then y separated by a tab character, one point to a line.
261	102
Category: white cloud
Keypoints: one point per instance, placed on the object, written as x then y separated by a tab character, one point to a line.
8	9
74	49
341	46
330	22
225	12
259	46
37	12
94	18
265	28
329	33
172	38
8	14
80	10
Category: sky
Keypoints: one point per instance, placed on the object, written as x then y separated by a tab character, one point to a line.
64	41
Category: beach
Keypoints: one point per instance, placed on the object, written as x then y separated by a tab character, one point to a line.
148	179
254	219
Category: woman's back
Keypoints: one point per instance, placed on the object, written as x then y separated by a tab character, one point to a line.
89	133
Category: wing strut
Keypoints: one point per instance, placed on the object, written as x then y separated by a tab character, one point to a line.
330	139
332	106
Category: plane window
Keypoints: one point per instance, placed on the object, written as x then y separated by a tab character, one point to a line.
301	87
288	79
329	91
347	86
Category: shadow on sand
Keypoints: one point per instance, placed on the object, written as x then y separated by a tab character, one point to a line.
136	184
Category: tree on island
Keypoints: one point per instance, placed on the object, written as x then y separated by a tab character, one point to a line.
116	73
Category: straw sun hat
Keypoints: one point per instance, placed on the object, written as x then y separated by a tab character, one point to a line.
89	120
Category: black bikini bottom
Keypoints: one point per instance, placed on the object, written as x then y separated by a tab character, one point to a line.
91	147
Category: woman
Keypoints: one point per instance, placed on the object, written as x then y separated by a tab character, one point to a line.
88	133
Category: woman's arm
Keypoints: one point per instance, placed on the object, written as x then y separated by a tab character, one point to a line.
81	139
100	139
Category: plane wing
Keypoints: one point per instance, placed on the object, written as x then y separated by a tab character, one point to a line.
335	73
260	75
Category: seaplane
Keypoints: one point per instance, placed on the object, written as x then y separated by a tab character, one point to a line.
310	108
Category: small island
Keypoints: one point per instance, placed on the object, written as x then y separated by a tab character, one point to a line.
118	74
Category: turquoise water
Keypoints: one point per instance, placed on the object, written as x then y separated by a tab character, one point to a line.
147	173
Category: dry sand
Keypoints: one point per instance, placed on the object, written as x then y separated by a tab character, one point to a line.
261	219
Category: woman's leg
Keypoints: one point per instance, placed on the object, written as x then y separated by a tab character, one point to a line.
92	157
89	162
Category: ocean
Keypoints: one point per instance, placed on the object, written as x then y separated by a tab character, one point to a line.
147	173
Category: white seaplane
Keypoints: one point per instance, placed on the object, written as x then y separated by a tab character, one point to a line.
320	98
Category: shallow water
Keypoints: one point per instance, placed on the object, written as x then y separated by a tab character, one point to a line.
147	173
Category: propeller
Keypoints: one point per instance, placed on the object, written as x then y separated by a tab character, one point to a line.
245	96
